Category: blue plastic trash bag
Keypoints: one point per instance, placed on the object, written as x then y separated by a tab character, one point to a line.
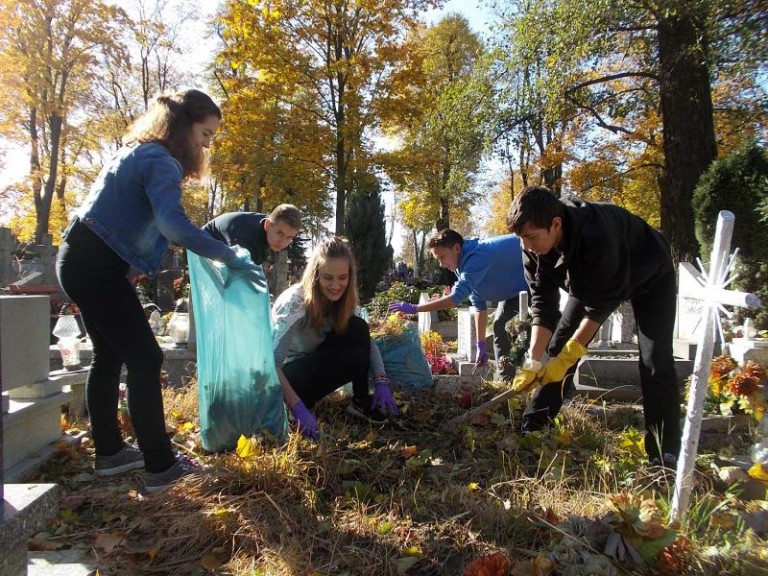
237	385
404	360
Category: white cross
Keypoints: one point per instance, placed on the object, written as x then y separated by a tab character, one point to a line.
713	291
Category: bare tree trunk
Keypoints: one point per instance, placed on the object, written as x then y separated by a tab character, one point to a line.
444	220
43	202
341	185
689	134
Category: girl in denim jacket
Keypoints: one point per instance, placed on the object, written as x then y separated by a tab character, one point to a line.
132	211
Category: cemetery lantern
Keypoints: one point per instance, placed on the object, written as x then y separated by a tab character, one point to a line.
67	330
178	328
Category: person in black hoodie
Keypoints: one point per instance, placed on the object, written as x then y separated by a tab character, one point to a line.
601	255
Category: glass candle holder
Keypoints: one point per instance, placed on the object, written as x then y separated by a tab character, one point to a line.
178	328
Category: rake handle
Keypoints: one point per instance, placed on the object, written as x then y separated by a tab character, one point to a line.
499	398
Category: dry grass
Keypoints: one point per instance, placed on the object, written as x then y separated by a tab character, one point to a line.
414	498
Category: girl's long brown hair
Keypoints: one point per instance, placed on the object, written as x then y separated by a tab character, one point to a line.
168	121
316	304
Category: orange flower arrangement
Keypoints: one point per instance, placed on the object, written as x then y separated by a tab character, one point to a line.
737	389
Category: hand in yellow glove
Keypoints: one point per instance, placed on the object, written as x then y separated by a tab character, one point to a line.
525	380
555	369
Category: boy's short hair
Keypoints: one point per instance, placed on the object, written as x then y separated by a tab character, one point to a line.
445	238
288	213
535	205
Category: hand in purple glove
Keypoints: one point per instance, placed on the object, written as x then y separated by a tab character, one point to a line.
481	357
305	419
382	397
404	307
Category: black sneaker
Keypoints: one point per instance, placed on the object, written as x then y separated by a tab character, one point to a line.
127	459
361	407
670	461
663	471
184	466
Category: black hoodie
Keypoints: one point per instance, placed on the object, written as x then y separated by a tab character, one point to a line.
609	255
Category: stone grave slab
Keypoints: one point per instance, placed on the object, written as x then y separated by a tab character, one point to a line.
27	508
25	323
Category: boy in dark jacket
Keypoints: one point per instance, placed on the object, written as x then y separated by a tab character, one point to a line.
257	232
601	255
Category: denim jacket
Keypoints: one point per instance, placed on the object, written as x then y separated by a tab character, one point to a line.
134	206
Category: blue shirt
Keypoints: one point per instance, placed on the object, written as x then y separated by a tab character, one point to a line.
489	269
134	206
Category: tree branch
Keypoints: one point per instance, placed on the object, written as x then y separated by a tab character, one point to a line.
610	78
600	122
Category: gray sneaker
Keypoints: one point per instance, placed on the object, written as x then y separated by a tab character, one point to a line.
156	481
127	459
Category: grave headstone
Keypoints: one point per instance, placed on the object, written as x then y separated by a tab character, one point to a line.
47	253
745	349
522	305
165	293
467	346
426	319
467	340
35	396
624	324
604	338
32	412
690	311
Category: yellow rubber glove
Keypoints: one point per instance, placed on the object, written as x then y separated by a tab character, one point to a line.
555	369
525	380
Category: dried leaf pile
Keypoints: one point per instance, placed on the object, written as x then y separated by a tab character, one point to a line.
411	498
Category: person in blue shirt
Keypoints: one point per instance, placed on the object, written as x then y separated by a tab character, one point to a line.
132	210
487	270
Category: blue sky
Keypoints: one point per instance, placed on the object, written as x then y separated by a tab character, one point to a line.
473	10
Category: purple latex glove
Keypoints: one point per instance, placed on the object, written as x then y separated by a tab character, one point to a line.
404	307
481	356
305	419
382	397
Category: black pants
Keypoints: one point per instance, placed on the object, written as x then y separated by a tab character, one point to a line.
95	278
502	342
341	358
655	312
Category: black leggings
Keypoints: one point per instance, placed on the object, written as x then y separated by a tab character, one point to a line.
95	278
341	358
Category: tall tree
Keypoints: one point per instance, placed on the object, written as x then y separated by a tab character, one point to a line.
526	134
48	53
607	56
442	132
366	230
326	66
